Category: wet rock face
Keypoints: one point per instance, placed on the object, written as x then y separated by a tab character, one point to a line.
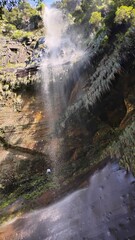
24	131
118	102
115	104
88	133
112	108
104	210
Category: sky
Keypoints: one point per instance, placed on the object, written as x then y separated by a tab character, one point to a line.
47	2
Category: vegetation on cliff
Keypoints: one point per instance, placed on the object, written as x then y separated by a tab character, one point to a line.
111	58
21	20
96	126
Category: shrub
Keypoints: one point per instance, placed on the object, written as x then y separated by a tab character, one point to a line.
96	18
9	29
124	14
19	34
20	16
133	17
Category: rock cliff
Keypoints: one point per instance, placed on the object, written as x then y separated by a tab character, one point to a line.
96	126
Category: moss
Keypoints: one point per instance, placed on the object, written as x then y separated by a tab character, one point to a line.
28	192
107	142
48	185
14	65
122	147
111	142
19	34
6	201
7	217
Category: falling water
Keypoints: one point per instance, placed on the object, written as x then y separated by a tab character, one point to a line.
62	52
105	210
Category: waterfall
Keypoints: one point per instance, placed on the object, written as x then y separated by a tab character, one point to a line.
62	52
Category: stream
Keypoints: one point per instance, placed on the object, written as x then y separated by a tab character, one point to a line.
104	210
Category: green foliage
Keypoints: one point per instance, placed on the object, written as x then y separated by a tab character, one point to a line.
124	14
105	72
19	34
20	20
9	29
133	17
13	17
109	18
83	12
78	15
96	18
22	16
119	12
123	148
87	5
102	78
119	3
68	5
40	6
